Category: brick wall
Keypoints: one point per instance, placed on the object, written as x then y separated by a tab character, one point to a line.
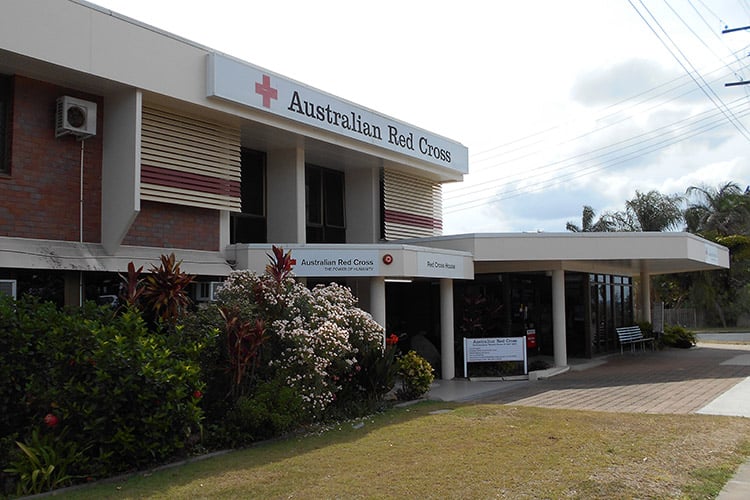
175	226
40	197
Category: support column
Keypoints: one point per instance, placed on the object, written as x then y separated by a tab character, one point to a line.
559	334
377	300
447	354
645	294
285	188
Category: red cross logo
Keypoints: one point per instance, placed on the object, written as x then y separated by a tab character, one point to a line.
266	91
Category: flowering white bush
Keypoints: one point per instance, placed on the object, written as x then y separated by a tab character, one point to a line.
318	334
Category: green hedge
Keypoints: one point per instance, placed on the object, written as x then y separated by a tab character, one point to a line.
126	396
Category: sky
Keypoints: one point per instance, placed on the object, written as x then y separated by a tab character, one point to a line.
560	104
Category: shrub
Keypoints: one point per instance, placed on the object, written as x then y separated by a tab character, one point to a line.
285	355
272	410
128	396
378	369
678	336
647	329
44	462
314	339
22	324
416	375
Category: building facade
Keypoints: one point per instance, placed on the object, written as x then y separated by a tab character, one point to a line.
120	142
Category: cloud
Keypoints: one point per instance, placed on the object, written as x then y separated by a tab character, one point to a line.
629	78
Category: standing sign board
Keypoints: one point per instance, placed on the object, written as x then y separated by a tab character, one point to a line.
495	349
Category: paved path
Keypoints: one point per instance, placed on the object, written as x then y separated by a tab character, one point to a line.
668	381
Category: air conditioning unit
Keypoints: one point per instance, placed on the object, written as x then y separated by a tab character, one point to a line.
76	117
8	287
206	291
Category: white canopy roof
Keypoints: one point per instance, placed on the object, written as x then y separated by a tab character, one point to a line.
626	254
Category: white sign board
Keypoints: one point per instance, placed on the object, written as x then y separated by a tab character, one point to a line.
326	263
494	350
439	265
252	86
712	255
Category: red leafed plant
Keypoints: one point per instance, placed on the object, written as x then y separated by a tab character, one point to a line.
281	264
133	285
244	340
165	291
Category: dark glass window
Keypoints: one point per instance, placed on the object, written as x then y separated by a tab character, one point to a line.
324	205
249	226
5	125
611	307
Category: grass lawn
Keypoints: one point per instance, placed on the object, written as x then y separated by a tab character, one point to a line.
439	450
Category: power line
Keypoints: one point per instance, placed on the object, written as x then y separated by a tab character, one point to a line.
459	191
715	99
582	172
667	88
587	163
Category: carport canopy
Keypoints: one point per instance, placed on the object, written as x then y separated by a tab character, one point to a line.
641	254
624	254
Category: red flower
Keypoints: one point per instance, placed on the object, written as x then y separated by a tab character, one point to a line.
197	394
392	339
51	420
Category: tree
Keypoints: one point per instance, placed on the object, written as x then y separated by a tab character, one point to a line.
722	215
588	225
650	211
721	211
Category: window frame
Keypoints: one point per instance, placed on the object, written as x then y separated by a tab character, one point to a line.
248	214
319	198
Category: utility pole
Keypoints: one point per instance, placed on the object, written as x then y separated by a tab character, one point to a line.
732	30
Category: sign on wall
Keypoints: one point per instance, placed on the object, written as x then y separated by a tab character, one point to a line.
711	254
309	263
249	85
439	265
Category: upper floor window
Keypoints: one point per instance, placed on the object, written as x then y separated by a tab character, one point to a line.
324	205
5	125
249	226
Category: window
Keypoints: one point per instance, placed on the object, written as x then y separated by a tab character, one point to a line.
324	205
8	287
249	226
5	125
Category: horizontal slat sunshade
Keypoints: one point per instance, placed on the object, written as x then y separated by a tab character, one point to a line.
189	161
153	192
412	206
190	181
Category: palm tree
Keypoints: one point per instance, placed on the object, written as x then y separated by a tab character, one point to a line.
588	224
651	211
721	211
722	215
